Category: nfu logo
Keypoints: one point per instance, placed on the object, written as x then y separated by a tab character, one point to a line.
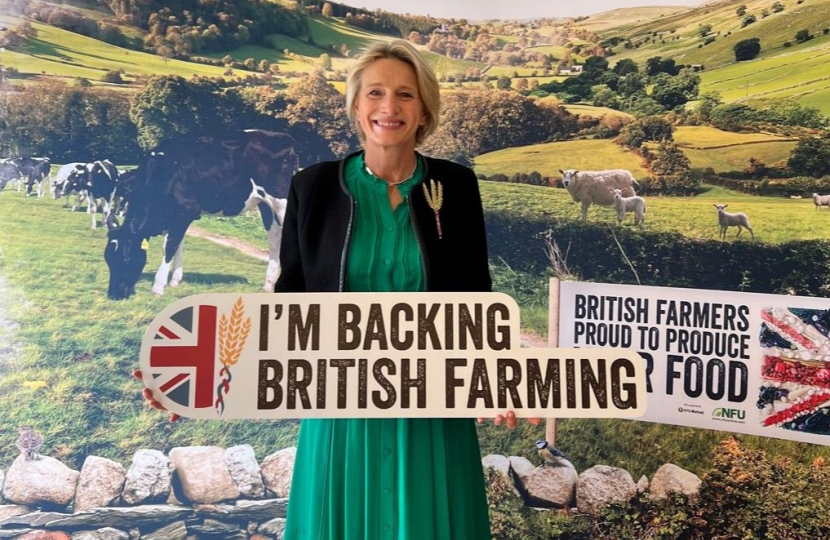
729	414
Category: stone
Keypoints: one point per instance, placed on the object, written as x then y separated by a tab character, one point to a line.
521	466
601	485
41	481
670	478
44	535
11	510
148	478
174	531
274	527
203	475
100	483
123	517
497	462
551	487
277	470
245	471
107	533
642	484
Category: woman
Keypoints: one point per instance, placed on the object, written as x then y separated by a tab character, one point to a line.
373	222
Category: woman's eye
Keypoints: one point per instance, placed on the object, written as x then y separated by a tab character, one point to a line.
374	93
407	95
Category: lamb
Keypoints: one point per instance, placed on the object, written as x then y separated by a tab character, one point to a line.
588	187
629	204
821	200
726	220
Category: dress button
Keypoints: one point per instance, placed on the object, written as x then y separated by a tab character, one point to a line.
387	491
388	262
386	528
387	451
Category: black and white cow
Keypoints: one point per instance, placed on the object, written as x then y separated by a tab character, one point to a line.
35	170
9	172
101	181
181	180
70	178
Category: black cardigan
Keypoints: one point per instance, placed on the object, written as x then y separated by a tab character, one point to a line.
320	214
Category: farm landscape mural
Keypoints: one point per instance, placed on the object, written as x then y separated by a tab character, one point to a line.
722	103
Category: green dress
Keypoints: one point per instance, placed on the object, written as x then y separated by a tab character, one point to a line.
373	479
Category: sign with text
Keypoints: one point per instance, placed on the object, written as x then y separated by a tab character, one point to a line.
368	355
742	362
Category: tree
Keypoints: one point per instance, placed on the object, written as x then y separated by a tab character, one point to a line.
328	10
670	160
704	30
803	35
777	7
626	66
673	91
747	49
749	19
811	156
503	83
113	76
741	11
170	106
707	102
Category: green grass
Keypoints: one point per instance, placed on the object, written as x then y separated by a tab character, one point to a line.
775	220
590	110
726	151
65	54
548	158
84	346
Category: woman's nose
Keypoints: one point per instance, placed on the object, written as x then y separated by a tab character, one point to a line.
390	104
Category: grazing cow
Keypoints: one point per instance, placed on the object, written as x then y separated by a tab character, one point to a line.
180	180
36	170
101	181
70	178
9	171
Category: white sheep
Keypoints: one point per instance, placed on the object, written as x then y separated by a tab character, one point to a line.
588	187
821	200
726	220
629	204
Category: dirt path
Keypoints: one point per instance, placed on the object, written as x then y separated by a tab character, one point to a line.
528	339
234	243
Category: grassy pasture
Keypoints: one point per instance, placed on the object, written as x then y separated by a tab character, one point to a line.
548	158
627	16
329	31
590	110
66	54
775	220
726	151
71	378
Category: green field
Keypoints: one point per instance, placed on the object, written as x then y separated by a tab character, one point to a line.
548	158
66	54
590	110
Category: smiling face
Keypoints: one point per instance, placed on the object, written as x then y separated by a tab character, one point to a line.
387	106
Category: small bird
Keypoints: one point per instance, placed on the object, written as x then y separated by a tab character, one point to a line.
29	442
549	454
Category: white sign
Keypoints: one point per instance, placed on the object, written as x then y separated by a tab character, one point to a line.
374	355
742	362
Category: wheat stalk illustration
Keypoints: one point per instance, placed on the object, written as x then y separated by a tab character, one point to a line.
233	333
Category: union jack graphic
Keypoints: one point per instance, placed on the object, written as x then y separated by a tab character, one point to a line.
183	356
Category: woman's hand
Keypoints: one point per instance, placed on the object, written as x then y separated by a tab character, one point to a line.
151	400
511	419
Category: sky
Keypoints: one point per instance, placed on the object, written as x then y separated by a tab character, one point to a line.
508	9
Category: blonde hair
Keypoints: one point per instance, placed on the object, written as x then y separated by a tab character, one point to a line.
427	83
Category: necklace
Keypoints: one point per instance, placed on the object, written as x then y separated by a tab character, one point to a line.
399	182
